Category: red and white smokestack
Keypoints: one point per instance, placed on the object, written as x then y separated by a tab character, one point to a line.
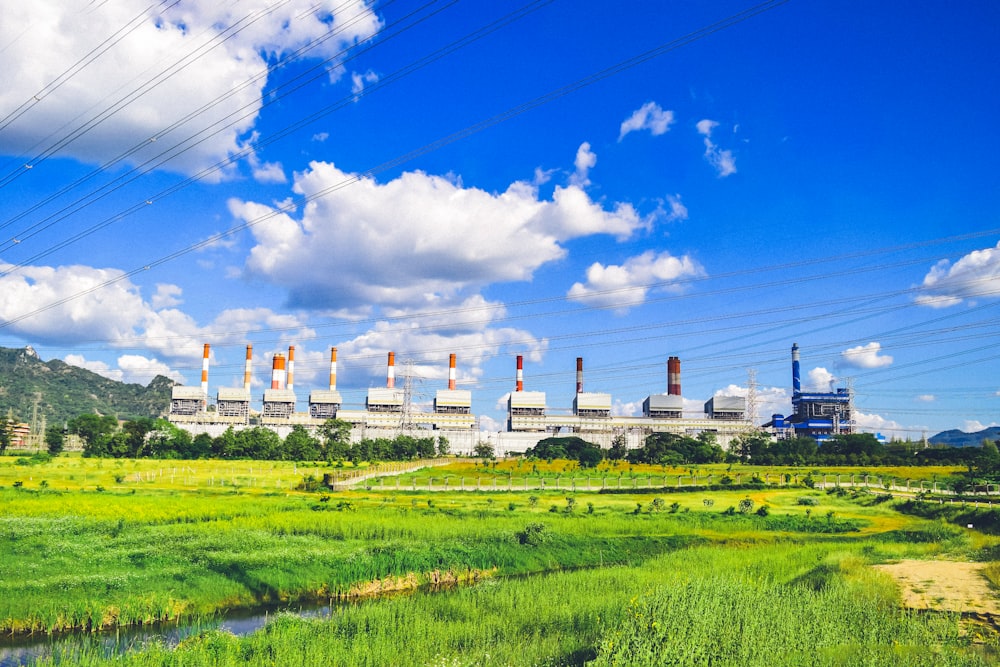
390	372
278	372
248	371
579	375
520	374
333	368
204	371
291	368
674	376
451	371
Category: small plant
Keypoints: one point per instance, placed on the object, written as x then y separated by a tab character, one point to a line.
638	509
553	508
99	489
657	505
745	506
533	534
708	502
119	478
675	507
430	503
590	508
809	481
806	500
570	505
532	501
729	511
726	480
324	499
763	510
18	484
511	507
44	484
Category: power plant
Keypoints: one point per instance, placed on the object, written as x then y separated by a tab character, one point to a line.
388	411
817	415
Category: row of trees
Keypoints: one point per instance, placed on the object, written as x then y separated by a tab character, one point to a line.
860	449
103	437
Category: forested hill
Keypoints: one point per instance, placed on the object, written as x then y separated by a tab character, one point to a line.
956	438
66	391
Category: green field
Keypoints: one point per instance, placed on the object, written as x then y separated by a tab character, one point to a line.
498	577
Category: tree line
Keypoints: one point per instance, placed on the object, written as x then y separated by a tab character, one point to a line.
158	438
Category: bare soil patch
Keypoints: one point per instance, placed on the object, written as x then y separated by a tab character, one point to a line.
944	585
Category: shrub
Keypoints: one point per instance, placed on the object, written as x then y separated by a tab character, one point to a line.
532	535
746	506
807	500
763	510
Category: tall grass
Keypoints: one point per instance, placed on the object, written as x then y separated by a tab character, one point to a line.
767	604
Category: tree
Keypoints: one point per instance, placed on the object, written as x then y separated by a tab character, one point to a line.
136	431
335	435
619	448
484	450
300	445
443	446
6	430
55	439
92	429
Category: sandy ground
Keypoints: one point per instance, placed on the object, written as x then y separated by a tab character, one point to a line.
944	586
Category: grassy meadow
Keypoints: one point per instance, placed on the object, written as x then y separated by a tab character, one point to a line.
496	576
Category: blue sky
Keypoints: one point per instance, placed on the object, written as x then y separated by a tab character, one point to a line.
545	178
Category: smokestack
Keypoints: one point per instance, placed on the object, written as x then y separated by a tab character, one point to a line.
333	368
291	367
674	376
579	375
278	372
451	371
248	372
204	371
390	373
520	374
796	381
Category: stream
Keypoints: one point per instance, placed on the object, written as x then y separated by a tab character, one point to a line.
25	649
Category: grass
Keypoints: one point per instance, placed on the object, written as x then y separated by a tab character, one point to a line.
157	548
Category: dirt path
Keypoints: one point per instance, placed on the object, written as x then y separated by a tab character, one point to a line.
943	585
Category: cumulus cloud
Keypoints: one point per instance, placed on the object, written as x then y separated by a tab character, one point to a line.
770	400
629	409
926	398
647	117
111	308
183	66
974	275
866	356
132	368
676	209
722	160
821	379
428	242
974	426
873	423
621	287
585	161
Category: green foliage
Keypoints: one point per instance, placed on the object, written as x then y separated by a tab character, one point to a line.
484	450
573	448
674	449
532	535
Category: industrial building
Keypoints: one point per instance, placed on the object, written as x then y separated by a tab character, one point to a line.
817	415
387	410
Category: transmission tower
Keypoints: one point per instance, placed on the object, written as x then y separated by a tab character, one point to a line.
406	417
850	405
751	407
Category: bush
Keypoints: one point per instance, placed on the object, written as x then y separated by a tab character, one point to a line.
763	510
807	500
532	535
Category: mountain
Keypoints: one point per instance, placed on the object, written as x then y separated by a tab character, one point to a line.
64	392
956	438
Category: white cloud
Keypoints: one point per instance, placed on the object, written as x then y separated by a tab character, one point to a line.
166	296
269	172
873	423
361	79
489	425
115	313
321	136
974	426
623	286
926	398
770	400
647	117
585	161
974	275
821	380
428	241
723	160
180	68
132	368
678	211
866	356
629	409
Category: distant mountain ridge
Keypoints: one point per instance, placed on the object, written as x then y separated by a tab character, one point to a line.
956	438
64	391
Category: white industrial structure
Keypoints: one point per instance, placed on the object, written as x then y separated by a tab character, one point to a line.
387	410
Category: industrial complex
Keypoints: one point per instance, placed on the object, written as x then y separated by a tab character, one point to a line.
388	410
